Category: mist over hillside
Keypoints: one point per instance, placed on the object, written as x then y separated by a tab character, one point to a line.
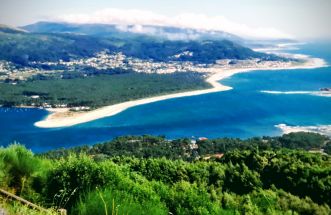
74	41
164	32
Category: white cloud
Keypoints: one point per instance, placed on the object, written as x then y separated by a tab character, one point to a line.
137	29
151	30
138	18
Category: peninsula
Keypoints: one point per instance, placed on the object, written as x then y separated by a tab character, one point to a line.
61	117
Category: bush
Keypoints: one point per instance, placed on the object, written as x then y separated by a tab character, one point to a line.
71	177
21	170
241	180
189	198
302	140
113	202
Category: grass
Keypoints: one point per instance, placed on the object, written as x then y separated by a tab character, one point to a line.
100	90
115	202
14	208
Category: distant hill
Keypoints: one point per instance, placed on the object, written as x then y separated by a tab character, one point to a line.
165	32
55	41
21	48
10	29
160	32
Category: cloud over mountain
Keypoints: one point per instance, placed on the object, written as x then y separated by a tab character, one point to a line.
138	18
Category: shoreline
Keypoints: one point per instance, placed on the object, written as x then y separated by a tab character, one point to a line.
63	117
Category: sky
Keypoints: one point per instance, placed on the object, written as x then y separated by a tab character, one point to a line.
298	19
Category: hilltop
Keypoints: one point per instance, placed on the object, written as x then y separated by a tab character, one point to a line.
11	29
68	41
130	31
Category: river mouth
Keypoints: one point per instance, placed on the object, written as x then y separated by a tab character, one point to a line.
242	112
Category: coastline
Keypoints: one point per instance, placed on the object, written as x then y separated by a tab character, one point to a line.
62	117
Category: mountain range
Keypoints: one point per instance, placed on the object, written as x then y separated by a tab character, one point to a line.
49	41
127	31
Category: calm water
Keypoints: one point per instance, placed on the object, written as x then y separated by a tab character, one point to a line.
242	112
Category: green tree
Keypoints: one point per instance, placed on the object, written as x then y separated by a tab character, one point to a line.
241	180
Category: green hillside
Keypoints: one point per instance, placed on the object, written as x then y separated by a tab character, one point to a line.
254	176
22	48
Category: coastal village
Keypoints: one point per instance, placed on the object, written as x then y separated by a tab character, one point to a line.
103	61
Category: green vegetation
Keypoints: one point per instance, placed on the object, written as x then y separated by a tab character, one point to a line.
14	208
98	90
118	202
186	149
22	48
256	180
327	148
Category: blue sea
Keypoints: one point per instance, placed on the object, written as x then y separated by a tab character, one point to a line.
242	112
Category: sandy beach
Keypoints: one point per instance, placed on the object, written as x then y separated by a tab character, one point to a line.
62	117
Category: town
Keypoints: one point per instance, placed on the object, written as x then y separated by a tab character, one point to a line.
103	61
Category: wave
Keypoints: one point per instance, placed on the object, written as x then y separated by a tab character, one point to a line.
281	47
313	93
321	129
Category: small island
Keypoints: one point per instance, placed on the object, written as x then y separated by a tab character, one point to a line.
326	89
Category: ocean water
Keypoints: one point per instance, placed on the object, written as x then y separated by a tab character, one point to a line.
242	112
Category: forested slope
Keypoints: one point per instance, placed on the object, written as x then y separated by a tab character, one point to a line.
245	180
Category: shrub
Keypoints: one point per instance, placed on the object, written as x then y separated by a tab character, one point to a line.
113	202
21	170
71	177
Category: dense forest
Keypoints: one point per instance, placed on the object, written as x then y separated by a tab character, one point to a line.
99	90
192	149
152	175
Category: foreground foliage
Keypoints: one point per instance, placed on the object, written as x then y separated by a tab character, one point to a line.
245	181
14	208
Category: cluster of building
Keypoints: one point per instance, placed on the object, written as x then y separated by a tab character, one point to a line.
8	71
47	105
4	66
105	61
251	63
